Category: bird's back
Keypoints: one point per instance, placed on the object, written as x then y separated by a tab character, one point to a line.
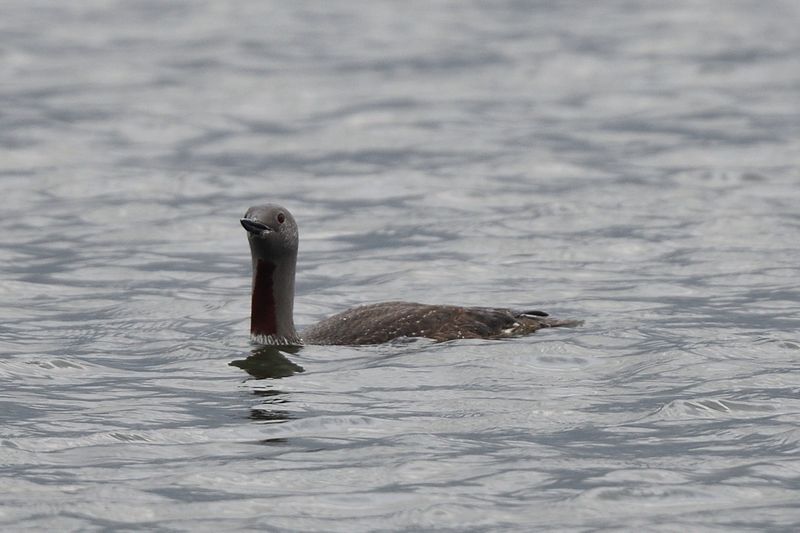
378	323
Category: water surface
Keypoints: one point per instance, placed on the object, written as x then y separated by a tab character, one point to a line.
628	164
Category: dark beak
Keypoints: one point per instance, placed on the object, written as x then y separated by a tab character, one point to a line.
256	228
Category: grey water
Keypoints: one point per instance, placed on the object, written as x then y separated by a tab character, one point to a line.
632	164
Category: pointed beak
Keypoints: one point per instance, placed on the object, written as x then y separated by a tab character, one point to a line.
256	228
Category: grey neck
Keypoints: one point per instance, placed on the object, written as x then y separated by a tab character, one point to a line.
272	310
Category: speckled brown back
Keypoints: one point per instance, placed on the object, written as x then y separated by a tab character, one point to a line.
378	323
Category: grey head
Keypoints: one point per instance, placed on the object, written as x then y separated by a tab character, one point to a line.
272	234
271	231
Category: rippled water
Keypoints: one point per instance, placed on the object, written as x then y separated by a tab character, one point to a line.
631	164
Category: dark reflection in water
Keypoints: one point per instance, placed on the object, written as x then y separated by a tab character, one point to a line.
270	362
264	412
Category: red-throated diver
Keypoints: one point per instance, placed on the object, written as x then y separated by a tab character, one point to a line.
272	233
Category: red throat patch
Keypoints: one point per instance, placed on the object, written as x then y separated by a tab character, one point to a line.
263	320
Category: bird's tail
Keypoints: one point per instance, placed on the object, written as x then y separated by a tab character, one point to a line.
540	319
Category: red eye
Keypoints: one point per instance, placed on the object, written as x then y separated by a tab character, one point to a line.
281	218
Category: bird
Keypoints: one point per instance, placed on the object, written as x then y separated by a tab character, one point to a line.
273	236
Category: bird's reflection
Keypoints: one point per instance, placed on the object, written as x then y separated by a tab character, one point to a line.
267	410
270	362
